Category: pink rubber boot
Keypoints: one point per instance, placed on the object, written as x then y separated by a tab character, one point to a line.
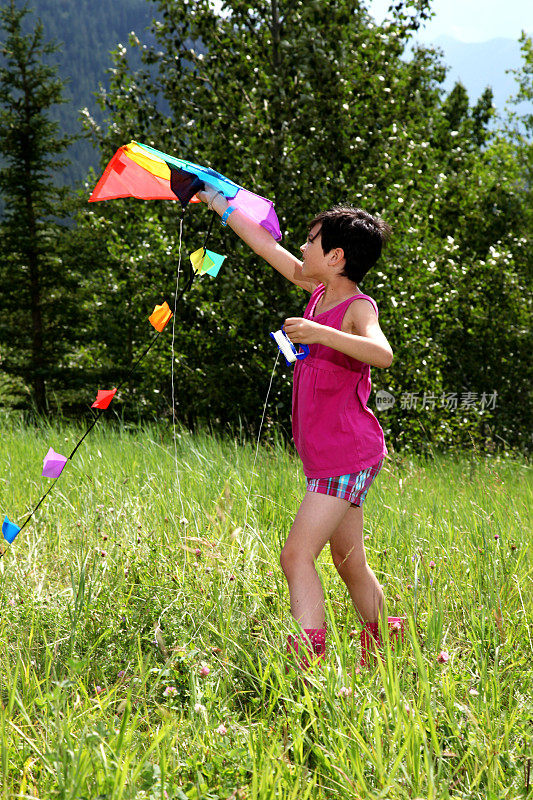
312	642
371	639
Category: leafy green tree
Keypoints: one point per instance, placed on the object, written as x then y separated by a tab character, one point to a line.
313	104
39	317
274	98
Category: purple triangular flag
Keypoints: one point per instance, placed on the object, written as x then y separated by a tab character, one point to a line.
53	464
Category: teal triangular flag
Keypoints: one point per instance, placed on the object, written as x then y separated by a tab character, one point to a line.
218	261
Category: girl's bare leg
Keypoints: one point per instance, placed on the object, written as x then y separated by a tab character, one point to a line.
318	517
348	554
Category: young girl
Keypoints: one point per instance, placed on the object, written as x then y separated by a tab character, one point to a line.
338	438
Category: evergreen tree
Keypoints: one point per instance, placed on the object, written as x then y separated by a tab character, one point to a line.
38	314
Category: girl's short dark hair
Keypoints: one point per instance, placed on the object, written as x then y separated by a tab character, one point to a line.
357	232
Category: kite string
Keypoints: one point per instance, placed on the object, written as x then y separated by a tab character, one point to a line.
97	416
208	234
177	296
258	439
228	577
172	369
127	378
119	387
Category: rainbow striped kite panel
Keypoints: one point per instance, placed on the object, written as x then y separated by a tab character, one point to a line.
137	170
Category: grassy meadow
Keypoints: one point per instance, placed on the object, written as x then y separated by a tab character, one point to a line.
144	617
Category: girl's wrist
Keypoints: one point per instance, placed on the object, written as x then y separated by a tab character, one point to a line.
219	204
322	335
211	195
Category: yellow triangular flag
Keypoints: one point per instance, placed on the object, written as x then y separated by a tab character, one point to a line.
200	261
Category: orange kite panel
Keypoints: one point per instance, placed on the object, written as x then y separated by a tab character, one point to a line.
123	177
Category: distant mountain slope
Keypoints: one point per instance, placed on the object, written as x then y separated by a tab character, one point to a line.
481	64
87	31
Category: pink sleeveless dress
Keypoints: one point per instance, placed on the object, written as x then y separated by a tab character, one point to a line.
334	431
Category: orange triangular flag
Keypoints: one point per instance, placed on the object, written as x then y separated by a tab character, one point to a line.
161	316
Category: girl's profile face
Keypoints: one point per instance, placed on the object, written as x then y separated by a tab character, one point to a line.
317	264
312	249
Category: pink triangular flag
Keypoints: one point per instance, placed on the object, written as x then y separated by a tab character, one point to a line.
53	464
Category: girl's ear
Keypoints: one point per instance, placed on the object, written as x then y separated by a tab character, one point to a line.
336	256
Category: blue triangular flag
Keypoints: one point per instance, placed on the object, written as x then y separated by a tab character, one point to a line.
9	529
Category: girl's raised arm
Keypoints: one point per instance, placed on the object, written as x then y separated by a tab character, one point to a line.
258	239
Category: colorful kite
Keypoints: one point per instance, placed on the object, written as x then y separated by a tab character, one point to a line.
137	170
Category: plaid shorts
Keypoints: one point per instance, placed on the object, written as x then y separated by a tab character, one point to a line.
352	487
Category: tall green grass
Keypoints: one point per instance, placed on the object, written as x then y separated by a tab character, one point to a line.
140	570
